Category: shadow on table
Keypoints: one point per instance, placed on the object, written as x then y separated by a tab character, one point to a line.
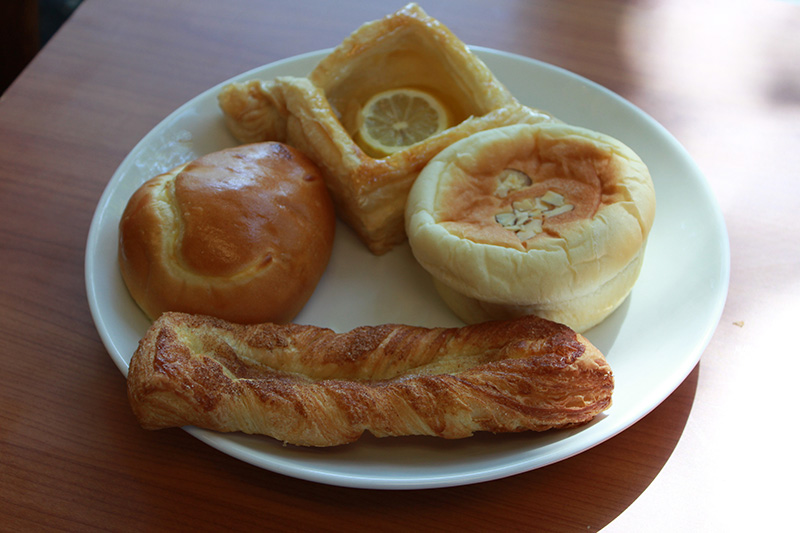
585	492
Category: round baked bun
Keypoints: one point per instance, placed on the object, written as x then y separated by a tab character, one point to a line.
546	219
243	234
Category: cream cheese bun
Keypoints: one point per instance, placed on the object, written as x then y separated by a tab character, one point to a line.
545	219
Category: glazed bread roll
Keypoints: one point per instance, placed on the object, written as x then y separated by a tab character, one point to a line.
310	386
546	219
243	234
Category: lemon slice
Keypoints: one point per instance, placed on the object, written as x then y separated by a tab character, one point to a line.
396	119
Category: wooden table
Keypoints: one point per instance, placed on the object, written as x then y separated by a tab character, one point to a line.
716	455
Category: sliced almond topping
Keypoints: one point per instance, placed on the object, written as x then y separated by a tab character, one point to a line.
529	206
527	215
566	208
530	229
510	180
520	217
505	219
553	198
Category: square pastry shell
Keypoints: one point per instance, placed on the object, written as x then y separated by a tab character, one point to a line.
317	114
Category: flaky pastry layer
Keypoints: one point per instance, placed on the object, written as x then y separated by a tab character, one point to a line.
310	386
317	114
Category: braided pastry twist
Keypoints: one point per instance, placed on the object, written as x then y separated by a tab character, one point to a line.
310	386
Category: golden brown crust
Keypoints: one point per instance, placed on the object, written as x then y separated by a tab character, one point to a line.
254	111
317	114
309	386
243	233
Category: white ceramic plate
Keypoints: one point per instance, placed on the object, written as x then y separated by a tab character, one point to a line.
652	342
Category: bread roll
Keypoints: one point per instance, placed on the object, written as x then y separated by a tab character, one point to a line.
243	234
546	219
310	386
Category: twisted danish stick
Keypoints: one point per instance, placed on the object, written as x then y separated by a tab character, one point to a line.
310	386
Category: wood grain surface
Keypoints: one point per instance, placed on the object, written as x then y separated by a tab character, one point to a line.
722	77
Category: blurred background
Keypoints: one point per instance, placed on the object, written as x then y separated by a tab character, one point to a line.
25	27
